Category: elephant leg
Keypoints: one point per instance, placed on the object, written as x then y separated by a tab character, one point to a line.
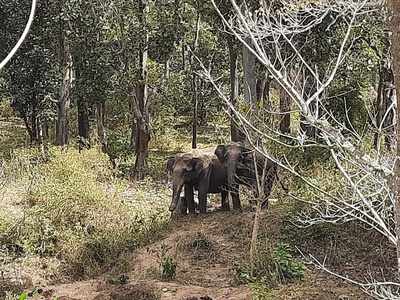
225	201
190	198
235	198
202	200
183	206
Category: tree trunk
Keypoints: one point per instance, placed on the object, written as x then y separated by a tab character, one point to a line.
101	132
379	114
34	127
395	9
195	112
249	68
64	102
83	125
167	69
132	145
285	107
195	96
234	80
141	105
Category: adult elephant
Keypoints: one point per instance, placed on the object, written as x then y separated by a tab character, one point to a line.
240	167
201	172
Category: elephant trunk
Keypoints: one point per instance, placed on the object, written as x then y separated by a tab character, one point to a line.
177	189
231	173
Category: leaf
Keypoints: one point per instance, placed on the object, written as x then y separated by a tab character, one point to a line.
23	296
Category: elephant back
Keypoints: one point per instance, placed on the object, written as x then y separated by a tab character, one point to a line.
206	155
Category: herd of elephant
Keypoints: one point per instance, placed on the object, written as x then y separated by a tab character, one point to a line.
219	170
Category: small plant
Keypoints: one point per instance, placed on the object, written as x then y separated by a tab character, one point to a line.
201	242
272	267
167	264
288	267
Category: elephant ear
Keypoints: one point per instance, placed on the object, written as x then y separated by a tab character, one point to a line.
220	152
170	164
246	154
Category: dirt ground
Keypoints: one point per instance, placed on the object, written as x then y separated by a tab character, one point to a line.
206	250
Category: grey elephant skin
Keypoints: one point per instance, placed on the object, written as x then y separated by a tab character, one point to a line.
238	161
200	171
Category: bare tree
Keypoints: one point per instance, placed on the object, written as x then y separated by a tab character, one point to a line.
271	35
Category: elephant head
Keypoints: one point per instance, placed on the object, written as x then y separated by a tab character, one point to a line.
184	169
234	157
242	168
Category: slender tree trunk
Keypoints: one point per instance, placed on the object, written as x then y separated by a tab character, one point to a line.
195	96
379	108
64	102
45	128
285	107
395	9
28	128
141	107
42	141
34	126
101	132
132	145
249	68
167	69
195	112
234	80
83	125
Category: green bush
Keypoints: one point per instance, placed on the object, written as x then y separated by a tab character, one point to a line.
288	267
272	266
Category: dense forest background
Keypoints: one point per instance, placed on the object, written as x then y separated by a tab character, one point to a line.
101	93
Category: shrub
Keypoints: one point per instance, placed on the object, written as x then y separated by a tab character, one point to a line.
272	267
288	267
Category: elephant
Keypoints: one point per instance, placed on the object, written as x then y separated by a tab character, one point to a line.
203	173
239	163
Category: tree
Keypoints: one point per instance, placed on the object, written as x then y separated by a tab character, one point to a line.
90	51
140	100
32	77
395	22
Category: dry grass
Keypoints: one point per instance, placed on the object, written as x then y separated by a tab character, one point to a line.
74	209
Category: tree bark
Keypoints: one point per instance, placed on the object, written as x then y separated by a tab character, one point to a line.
285	107
195	96
379	108
234	81
101	132
83	125
65	93
141	103
395	23
249	68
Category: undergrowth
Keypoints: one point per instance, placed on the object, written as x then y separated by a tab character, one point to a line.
273	266
77	211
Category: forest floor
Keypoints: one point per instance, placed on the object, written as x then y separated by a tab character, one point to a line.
208	251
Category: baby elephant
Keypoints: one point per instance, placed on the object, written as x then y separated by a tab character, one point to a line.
201	172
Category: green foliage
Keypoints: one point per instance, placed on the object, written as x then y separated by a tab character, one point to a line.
288	267
271	267
167	263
